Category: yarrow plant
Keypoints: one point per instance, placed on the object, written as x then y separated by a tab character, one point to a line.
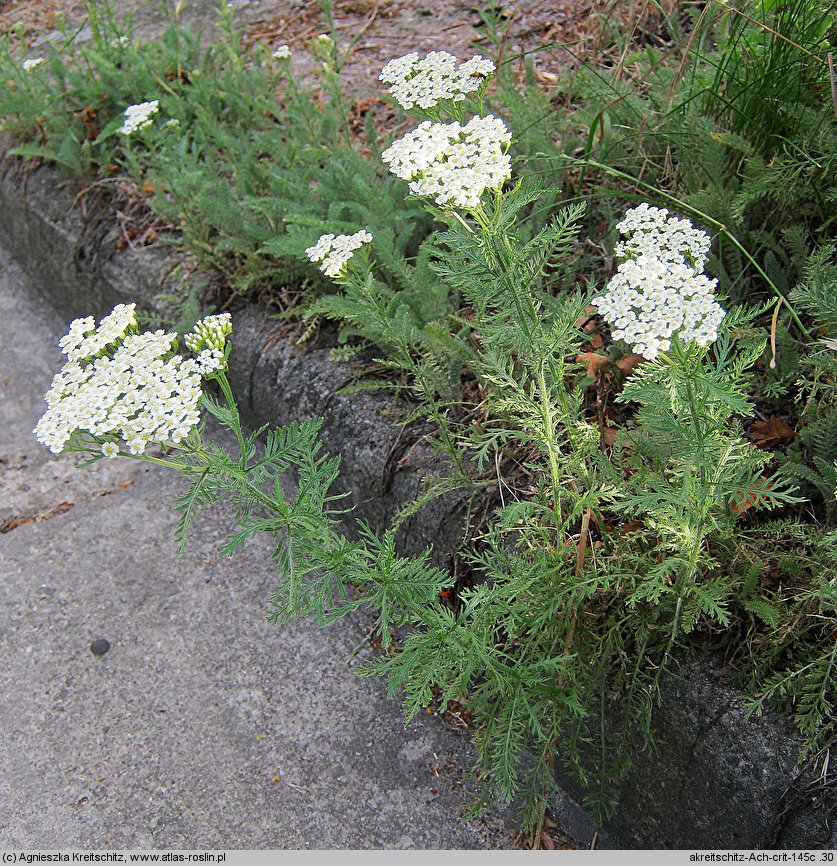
32	63
334	253
435	78
122	384
282	52
453	164
657	293
139	116
540	641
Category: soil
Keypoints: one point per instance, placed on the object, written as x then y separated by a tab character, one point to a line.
370	32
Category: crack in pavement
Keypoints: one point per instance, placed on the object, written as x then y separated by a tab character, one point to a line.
10	523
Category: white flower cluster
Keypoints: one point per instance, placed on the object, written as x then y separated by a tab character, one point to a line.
138	393
282	53
436	77
32	63
651	231
452	164
139	116
334	253
210	332
658	291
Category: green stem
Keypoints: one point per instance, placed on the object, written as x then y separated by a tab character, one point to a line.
546	411
528	316
680	360
528	319
691	399
93	16
157	461
686	576
223	382
265	500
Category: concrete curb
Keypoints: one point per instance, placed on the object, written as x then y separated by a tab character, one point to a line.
716	781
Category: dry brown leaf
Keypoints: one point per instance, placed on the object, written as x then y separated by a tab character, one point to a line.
628	363
11	523
587	316
753	495
608	436
775	428
593	361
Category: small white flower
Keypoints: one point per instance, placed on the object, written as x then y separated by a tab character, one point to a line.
32	63
334	253
120	42
110	449
139	116
137	445
209	361
282	53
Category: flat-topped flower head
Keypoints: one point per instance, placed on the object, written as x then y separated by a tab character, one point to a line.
453	164
32	63
333	253
281	53
427	81
139	116
651	231
659	292
133	388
